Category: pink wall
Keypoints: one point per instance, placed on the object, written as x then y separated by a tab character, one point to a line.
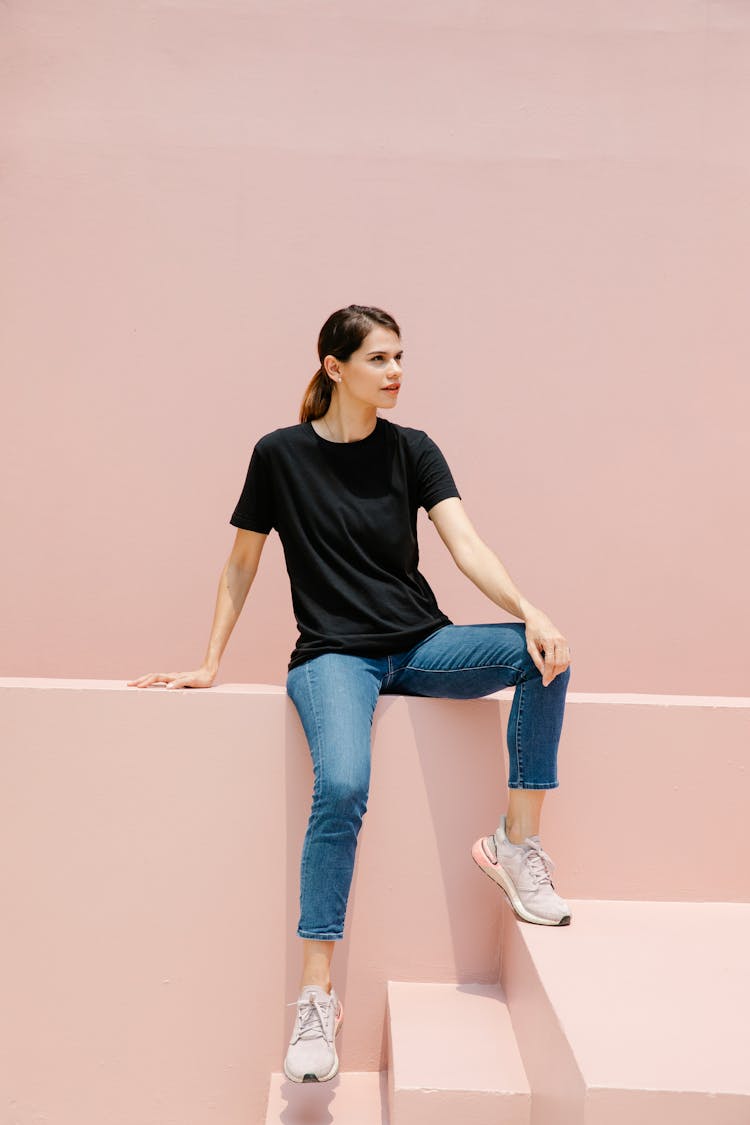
552	199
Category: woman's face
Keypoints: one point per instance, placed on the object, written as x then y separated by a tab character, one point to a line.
374	366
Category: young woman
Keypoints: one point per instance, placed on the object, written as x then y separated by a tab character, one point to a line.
342	488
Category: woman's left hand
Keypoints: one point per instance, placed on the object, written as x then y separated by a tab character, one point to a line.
546	645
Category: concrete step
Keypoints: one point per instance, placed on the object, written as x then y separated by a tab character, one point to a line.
351	1098
637	1011
453	1057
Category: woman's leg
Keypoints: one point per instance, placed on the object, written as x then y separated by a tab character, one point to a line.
335	696
467	661
316	963
470	661
524	813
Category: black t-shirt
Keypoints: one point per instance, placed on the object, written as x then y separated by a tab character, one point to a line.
346	514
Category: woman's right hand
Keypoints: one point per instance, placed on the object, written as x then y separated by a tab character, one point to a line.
201	677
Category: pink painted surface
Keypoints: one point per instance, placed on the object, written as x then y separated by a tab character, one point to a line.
456	1039
684	964
634	1012
351	1098
550	198
150	845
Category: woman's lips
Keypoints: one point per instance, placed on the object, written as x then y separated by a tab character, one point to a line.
392	390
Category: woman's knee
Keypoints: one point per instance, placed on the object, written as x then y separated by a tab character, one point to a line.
530	672
526	665
342	795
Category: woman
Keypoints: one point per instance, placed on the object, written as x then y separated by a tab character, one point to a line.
342	488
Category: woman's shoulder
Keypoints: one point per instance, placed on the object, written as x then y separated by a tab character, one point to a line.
411	436
284	437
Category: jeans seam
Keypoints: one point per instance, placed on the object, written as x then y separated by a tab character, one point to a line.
519	688
316	717
467	668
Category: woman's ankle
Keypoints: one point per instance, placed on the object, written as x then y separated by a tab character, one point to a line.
326	984
316	963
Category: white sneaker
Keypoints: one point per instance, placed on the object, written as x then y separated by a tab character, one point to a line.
311	1056
523	872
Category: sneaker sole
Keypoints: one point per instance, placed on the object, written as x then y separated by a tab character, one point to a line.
334	1069
495	872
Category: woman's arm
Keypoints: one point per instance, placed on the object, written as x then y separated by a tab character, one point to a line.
546	644
235	581
234	584
475	559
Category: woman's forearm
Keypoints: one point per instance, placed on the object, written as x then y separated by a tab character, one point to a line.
234	584
480	563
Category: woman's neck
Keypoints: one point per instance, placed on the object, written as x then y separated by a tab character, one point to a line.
347	424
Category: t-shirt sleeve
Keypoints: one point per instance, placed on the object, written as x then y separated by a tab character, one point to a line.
254	509
434	479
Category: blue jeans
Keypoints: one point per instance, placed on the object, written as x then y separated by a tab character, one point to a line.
335	696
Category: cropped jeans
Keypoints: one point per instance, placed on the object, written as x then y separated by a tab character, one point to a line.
335	696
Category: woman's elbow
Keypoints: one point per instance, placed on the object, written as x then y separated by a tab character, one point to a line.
467	551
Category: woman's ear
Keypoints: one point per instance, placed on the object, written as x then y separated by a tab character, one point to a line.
331	368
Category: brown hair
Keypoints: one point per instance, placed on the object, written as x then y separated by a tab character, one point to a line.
341	335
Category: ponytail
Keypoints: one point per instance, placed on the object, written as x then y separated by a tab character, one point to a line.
317	397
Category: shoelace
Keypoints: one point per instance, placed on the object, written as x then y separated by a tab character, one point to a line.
312	1019
538	862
